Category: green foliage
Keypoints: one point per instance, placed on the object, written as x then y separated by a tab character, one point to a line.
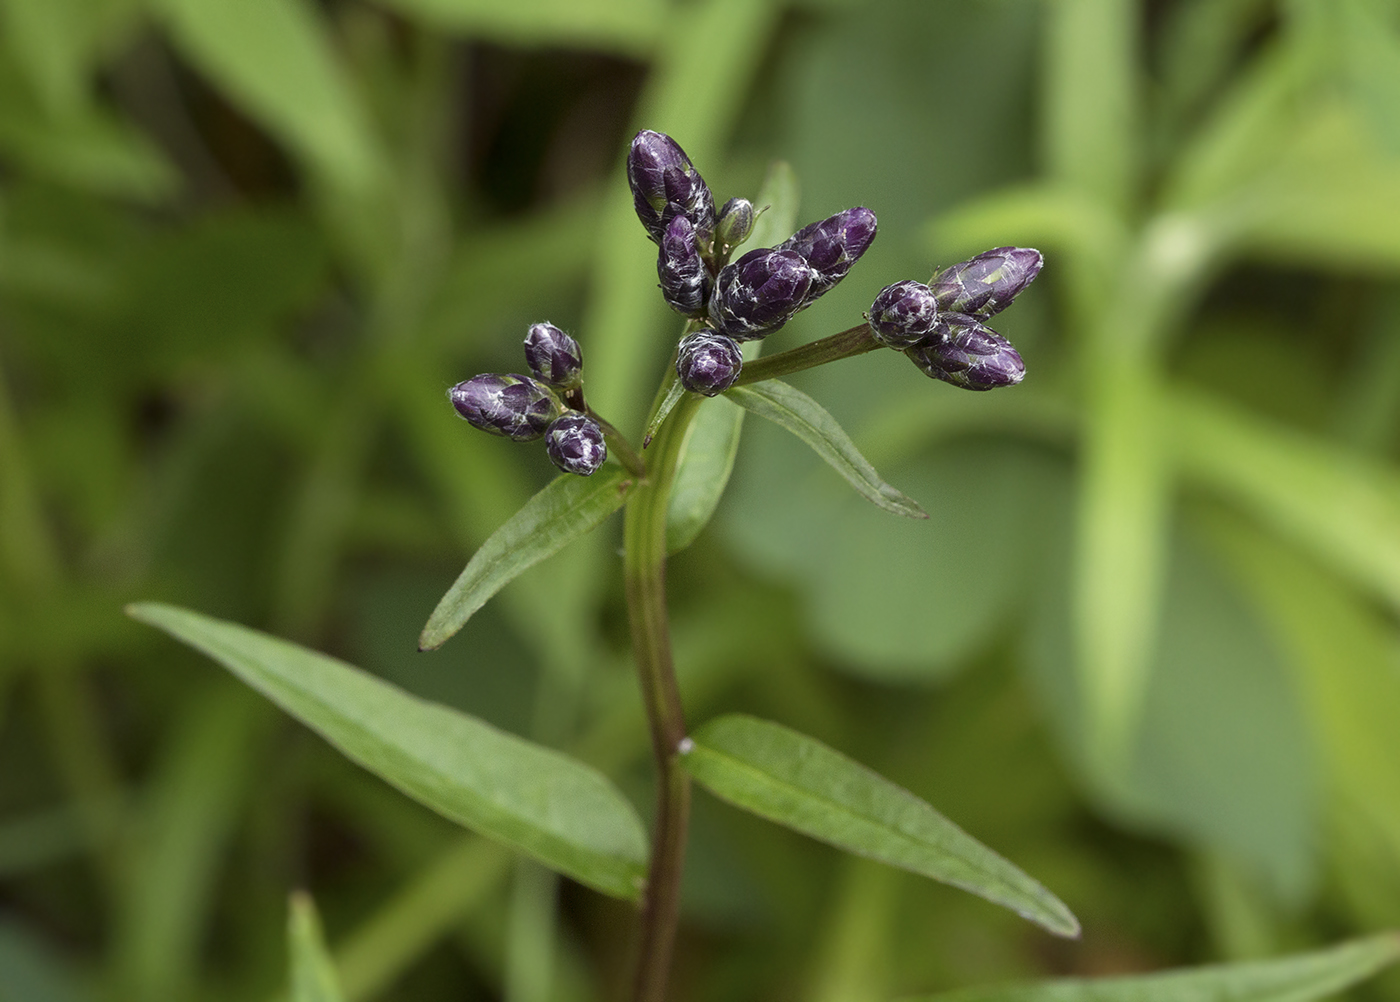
568	508
808	420
1292	979
541	802
787	777
313	973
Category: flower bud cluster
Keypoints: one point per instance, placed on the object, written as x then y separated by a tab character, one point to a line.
939	326
547	405
747	299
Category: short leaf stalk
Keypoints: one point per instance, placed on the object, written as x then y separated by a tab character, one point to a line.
644	568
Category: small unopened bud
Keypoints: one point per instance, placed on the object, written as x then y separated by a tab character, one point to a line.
575	444
832	245
665	184
903	314
685	284
707	362
553	356
515	407
986	284
961	351
734	224
759	293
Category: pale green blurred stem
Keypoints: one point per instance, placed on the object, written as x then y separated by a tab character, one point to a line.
644	569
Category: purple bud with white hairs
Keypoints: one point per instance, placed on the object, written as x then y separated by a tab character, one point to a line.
515	407
986	284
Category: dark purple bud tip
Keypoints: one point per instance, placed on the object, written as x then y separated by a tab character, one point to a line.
903	314
961	351
734	224
515	407
986	284
685	284
832	245
665	184
575	444
759	293
708	362
553	356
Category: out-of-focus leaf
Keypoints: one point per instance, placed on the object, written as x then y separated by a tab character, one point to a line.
90	149
193	809
702	471
274	59
809	421
629	27
776	203
536	800
709	52
1222	754
565	510
31	971
1370	51
1091	87
430	904
712	440
312	972
1341	506
1299	978
1344	652
798	782
1120	534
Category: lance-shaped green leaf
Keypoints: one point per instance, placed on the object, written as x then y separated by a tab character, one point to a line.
1299	978
564	813
811	422
568	508
313	972
799	782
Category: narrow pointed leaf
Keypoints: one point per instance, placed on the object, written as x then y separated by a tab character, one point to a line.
702	472
811	422
799	782
313	972
1299	978
564	813
568	508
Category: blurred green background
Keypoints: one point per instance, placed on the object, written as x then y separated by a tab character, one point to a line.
1146	646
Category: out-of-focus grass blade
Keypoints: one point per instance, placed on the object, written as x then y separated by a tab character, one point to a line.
712	441
566	509
92	150
428	907
312	972
629	27
809	421
1342	507
797	781
1345	655
565	814
274	60
1091	97
31	971
1299	978
191	813
1120	558
709	52
1371	53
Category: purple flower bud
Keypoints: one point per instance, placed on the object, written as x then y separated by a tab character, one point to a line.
515	407
685	283
708	362
575	444
665	184
734	224
759	293
961	351
986	284
553	356
903	314
832	245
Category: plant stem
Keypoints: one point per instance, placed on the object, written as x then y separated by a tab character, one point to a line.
856	341
644	563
